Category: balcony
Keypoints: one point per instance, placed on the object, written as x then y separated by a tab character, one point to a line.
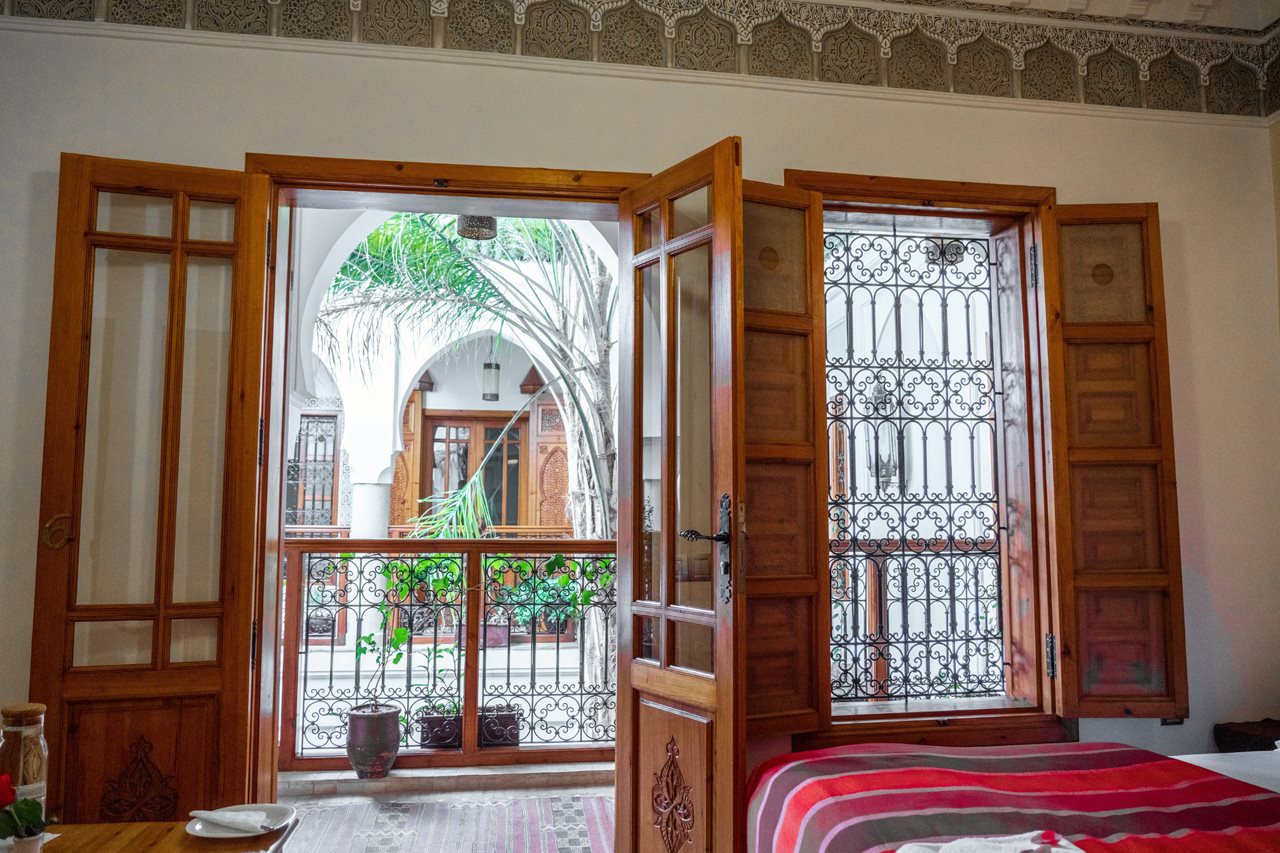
509	647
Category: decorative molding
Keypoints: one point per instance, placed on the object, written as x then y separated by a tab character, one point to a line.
141	792
672	802
984	52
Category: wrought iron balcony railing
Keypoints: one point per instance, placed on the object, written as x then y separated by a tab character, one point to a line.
506	645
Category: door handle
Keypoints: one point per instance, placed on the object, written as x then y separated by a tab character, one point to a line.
695	536
722	541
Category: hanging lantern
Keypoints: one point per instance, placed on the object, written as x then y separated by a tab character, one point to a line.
883	461
489	381
477	227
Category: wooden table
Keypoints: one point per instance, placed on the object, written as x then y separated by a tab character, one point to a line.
163	837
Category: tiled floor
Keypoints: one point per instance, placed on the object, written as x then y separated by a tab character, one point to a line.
559	820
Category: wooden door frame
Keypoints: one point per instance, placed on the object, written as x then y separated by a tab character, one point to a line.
1035	206
276	179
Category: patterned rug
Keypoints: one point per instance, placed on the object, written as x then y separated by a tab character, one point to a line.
518	824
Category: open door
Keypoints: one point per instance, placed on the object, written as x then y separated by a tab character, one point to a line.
144	630
681	483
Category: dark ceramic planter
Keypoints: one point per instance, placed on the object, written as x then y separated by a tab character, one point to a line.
373	739
499	728
440	731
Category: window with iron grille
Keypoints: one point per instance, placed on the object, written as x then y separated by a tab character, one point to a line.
913	505
311	481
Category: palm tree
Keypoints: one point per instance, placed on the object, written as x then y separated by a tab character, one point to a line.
537	279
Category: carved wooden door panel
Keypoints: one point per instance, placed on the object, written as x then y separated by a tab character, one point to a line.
681	474
143	616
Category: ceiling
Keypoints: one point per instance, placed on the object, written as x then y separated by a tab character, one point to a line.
1237	14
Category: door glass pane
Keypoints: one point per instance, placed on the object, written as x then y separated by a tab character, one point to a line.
193	640
693	474
117	528
647	638
694	646
112	643
691	211
211	220
775	262
449	457
129	213
648	234
653	322
206	347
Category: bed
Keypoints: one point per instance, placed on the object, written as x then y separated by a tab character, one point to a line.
872	798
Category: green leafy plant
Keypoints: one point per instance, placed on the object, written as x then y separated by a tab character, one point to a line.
19	818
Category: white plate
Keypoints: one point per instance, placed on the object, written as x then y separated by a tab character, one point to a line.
277	817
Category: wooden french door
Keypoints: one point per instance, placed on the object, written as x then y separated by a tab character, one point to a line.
143	616
680	709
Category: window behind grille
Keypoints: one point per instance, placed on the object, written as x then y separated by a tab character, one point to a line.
913	503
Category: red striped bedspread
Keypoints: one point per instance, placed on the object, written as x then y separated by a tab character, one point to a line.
871	798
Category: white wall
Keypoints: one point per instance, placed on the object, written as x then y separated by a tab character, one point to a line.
151	97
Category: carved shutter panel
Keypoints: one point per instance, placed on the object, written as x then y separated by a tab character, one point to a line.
788	587
1122	644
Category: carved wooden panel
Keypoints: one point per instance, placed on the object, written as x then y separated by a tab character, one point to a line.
1103	274
779	538
1122	643
140	760
1109	392
778	403
1115	518
780	654
775	258
552	508
678	780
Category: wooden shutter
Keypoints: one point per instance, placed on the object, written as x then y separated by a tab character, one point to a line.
1120	640
788	586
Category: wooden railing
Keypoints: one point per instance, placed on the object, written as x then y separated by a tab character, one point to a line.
504	662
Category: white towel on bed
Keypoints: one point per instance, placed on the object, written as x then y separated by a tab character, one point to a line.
1028	842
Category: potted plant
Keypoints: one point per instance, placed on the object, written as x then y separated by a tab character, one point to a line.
440	725
500	726
373	727
20	820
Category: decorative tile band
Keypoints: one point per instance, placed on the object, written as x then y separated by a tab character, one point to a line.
935	50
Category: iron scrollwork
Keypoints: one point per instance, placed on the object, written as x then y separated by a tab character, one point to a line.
672	802
913	506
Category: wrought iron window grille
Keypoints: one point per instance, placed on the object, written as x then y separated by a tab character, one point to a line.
914	509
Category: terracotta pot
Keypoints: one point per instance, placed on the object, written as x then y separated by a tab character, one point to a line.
373	739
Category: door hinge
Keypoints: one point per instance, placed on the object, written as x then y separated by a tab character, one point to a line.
1051	655
253	645
261	440
1035	266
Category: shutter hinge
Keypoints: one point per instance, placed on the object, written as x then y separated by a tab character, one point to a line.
1035	266
1051	655
261	440
270	235
253	645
